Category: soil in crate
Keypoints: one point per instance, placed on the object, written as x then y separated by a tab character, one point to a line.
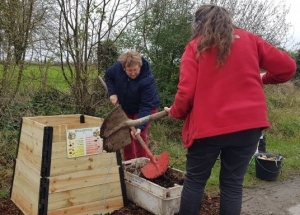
210	204
166	180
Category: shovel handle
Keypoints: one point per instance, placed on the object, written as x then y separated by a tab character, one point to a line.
146	119
144	145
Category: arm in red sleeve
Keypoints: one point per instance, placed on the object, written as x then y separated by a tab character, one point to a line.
279	66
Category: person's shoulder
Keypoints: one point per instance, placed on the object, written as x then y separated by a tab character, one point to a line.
191	46
144	60
146	79
146	68
239	33
193	42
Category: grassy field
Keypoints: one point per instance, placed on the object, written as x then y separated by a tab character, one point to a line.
282	137
39	76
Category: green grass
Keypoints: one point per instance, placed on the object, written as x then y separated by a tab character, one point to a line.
38	76
52	75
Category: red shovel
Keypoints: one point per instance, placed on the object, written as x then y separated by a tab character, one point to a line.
157	165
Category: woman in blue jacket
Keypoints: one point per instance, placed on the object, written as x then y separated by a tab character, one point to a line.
131	84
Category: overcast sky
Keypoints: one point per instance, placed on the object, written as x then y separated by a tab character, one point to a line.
294	18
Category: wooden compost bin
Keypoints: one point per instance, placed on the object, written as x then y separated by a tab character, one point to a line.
47	181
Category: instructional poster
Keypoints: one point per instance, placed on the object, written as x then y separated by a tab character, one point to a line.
82	142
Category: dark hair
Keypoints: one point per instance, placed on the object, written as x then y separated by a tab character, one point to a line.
214	25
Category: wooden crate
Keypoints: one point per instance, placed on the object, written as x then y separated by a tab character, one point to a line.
47	181
149	195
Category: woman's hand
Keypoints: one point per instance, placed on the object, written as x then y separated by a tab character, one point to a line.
113	99
137	132
167	109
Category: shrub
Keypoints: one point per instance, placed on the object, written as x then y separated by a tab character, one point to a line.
52	102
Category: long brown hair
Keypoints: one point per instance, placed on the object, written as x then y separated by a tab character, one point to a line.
214	25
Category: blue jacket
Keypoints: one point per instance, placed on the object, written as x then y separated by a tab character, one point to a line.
137	95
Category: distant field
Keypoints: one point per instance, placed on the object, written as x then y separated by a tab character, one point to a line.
39	76
52	76
36	76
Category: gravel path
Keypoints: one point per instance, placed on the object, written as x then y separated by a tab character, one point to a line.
280	197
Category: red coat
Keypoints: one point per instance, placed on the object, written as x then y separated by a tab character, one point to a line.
215	101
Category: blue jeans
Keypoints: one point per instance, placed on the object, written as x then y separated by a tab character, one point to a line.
235	150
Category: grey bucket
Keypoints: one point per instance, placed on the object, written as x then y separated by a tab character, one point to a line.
268	170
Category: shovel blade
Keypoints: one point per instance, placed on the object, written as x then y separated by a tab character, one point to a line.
114	141
115	128
113	120
117	141
154	170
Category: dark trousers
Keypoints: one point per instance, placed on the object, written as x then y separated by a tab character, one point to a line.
235	150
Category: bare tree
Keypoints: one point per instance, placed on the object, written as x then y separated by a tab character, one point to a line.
19	20
83	26
266	18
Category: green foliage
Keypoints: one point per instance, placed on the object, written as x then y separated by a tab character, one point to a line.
282	96
297	59
10	119
52	102
8	148
107	54
166	93
165	135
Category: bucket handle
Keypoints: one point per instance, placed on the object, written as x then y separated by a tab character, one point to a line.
269	170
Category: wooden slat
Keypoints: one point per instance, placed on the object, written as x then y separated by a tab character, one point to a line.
33	128
84	195
93	119
25	190
66	165
83	179
31	160
26	175
56	119
64	119
93	208
31	144
21	201
59	149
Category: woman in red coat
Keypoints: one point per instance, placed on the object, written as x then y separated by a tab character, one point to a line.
221	98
